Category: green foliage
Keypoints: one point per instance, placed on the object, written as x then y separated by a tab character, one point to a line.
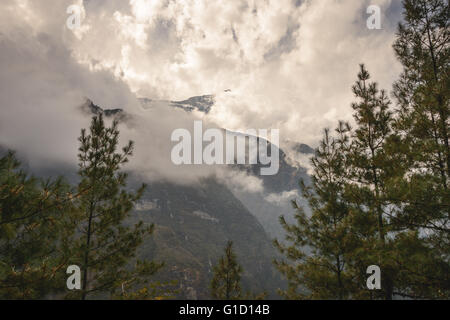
226	282
369	169
421	196
35	226
386	181
153	291
106	247
321	273
45	227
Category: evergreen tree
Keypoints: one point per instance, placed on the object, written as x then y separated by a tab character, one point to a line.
394	184
226	282
370	169
423	48
153	291
107	246
35	226
348	230
421	195
317	247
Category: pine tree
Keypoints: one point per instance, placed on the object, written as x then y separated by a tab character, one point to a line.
317	247
107	246
348	230
396	179
225	284
421	195
370	169
35	225
423	48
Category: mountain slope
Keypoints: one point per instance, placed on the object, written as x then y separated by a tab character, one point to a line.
279	189
199	103
193	224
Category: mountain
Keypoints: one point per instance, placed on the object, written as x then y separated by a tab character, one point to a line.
193	224
303	148
278	192
208	215
199	103
90	108
279	189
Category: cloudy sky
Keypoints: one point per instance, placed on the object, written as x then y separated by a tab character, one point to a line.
289	64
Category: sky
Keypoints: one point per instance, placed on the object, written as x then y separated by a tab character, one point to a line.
272	64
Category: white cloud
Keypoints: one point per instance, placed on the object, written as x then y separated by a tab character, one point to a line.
283	197
289	65
239	181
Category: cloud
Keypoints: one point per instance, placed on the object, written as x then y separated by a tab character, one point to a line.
289	65
283	197
41	85
239	181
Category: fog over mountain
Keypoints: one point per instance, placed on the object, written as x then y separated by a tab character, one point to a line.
266	197
193	221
